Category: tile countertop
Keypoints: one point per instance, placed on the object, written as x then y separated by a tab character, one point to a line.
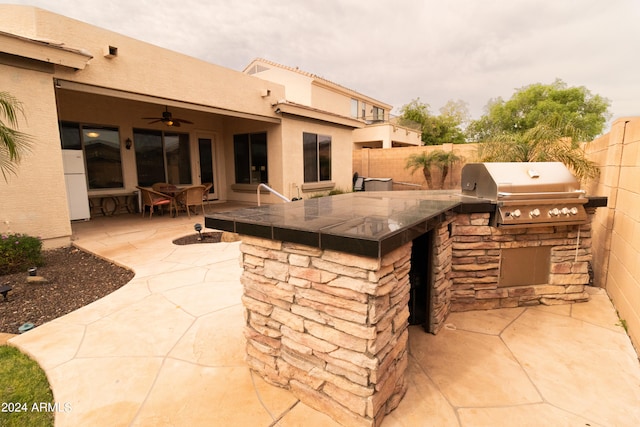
370	224
364	223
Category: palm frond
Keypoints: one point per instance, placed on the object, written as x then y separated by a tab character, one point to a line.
551	140
10	107
13	143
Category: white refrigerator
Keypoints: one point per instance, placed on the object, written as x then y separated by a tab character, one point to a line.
76	182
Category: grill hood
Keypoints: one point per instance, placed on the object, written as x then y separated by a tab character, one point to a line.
527	194
534	180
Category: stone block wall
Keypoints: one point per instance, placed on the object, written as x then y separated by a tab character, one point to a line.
476	257
441	276
329	326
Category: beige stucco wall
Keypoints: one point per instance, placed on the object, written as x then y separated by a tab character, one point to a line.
297	86
308	89
384	135
341	154
328	99
274	153
33	201
616	229
142	67
285	157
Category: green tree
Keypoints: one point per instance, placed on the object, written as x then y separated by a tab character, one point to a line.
538	102
436	130
553	139
437	158
415	111
13	143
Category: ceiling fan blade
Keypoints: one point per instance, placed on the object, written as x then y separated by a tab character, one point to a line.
167	119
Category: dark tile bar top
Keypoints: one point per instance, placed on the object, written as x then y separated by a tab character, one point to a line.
362	223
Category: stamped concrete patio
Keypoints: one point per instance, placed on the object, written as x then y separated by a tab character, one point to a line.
168	348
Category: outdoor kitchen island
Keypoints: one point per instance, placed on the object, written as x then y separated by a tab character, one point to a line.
331	284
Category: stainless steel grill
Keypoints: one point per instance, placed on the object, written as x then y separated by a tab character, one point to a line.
533	194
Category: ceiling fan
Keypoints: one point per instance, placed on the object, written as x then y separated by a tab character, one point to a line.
167	119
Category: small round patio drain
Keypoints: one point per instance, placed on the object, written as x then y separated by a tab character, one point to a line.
208	237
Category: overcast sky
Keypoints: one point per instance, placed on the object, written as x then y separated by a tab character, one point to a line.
396	51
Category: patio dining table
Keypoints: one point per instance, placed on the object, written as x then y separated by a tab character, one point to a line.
170	190
173	191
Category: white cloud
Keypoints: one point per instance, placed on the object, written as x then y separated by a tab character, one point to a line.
460	49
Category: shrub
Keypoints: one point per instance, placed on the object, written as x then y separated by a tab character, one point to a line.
334	192
19	252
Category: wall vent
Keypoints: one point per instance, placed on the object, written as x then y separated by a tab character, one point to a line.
110	51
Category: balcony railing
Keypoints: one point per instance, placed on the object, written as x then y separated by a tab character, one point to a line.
393	120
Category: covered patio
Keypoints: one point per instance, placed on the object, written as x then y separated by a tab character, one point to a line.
168	349
130	140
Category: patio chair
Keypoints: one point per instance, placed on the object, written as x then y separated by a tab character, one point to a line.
154	198
160	186
205	192
191	196
207	187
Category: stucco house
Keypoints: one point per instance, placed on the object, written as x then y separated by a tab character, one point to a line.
303	89
142	114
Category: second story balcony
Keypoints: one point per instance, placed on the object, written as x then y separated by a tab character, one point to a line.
387	131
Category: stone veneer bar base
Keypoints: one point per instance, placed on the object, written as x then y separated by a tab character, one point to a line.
477	251
332	327
329	326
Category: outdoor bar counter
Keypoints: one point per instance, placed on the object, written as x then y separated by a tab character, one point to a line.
329	282
326	293
370	224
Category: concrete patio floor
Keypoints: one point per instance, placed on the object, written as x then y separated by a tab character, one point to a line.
167	349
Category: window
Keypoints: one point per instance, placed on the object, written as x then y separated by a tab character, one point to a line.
162	157
354	108
176	150
257	68
250	155
101	146
317	157
378	114
363	110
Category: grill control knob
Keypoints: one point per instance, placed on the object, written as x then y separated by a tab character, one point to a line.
573	211
534	213
516	213
565	211
554	212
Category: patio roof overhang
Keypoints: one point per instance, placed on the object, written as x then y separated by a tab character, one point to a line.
294	109
134	96
43	51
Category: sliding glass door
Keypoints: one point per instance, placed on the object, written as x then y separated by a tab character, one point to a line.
162	157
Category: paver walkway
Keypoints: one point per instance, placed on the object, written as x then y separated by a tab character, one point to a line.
167	349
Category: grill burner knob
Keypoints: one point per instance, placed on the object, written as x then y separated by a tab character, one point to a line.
516	213
534	213
554	212
574	211
565	211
